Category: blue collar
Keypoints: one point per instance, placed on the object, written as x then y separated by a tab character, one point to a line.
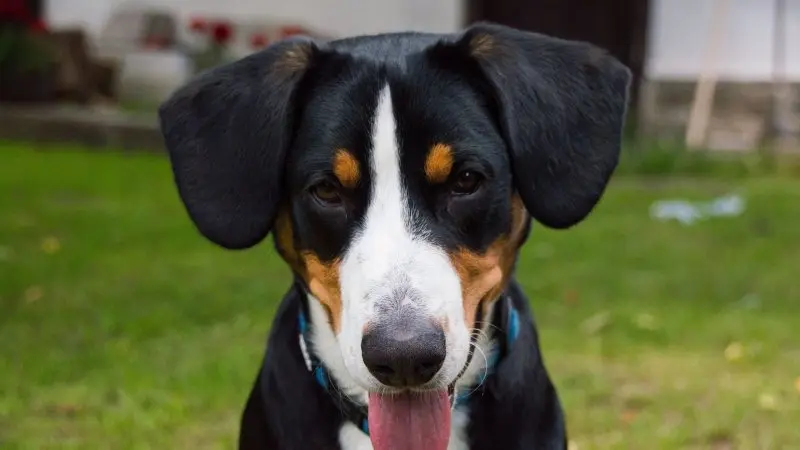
356	413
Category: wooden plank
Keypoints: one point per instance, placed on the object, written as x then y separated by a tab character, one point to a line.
703	102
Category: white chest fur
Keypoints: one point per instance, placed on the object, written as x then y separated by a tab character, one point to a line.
351	438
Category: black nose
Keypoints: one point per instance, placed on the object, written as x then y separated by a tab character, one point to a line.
404	351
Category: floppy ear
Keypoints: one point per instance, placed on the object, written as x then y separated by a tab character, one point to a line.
561	107
227	132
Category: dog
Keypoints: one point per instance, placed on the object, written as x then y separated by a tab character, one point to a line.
399	175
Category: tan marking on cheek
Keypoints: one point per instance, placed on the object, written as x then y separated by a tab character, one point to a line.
322	278
484	276
479	274
284	240
439	163
346	168
323	282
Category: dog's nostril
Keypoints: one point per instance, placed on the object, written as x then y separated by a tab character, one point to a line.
430	365
382	370
404	352
427	369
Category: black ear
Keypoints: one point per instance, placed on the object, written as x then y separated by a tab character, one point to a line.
561	107
227	132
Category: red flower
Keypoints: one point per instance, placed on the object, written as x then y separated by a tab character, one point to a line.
259	40
198	25
221	32
154	42
38	26
292	30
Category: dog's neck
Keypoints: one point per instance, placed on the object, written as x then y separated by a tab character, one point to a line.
323	356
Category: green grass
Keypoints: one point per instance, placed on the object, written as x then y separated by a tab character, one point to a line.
120	328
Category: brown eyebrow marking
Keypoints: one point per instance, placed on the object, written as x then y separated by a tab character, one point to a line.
346	168
439	163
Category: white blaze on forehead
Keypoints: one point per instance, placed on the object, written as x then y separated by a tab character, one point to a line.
387	252
387	215
389	255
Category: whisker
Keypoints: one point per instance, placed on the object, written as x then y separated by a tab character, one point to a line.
481	333
482	323
485	368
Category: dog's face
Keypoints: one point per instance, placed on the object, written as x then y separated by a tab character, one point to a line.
401	217
399	175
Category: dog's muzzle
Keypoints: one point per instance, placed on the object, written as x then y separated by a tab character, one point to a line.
404	350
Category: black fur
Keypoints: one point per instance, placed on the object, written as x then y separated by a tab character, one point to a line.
529	113
287	410
227	133
561	109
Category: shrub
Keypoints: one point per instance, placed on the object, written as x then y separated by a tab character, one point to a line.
24	42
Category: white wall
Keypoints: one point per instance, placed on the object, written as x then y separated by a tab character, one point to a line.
678	28
679	33
334	17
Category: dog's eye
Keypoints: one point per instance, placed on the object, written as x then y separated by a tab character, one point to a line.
327	193
466	182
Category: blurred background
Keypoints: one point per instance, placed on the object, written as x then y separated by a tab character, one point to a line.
669	319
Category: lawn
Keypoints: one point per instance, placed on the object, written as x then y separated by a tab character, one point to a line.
120	328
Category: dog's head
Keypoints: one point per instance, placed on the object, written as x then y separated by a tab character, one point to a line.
399	175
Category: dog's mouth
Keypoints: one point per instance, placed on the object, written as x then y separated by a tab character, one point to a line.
413	419
410	420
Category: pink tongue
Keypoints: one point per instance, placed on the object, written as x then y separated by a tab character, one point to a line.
409	421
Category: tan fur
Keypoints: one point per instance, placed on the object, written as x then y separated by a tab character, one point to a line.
295	60
439	163
481	45
323	282
484	276
346	168
321	277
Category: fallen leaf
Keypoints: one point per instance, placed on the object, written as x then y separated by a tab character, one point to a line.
750	301
33	294
628	416
65	409
721	441
768	402
734	351
572	445
645	321
50	245
797	384
596	323
571	297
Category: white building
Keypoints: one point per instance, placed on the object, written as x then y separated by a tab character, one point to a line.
679	35
678	29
